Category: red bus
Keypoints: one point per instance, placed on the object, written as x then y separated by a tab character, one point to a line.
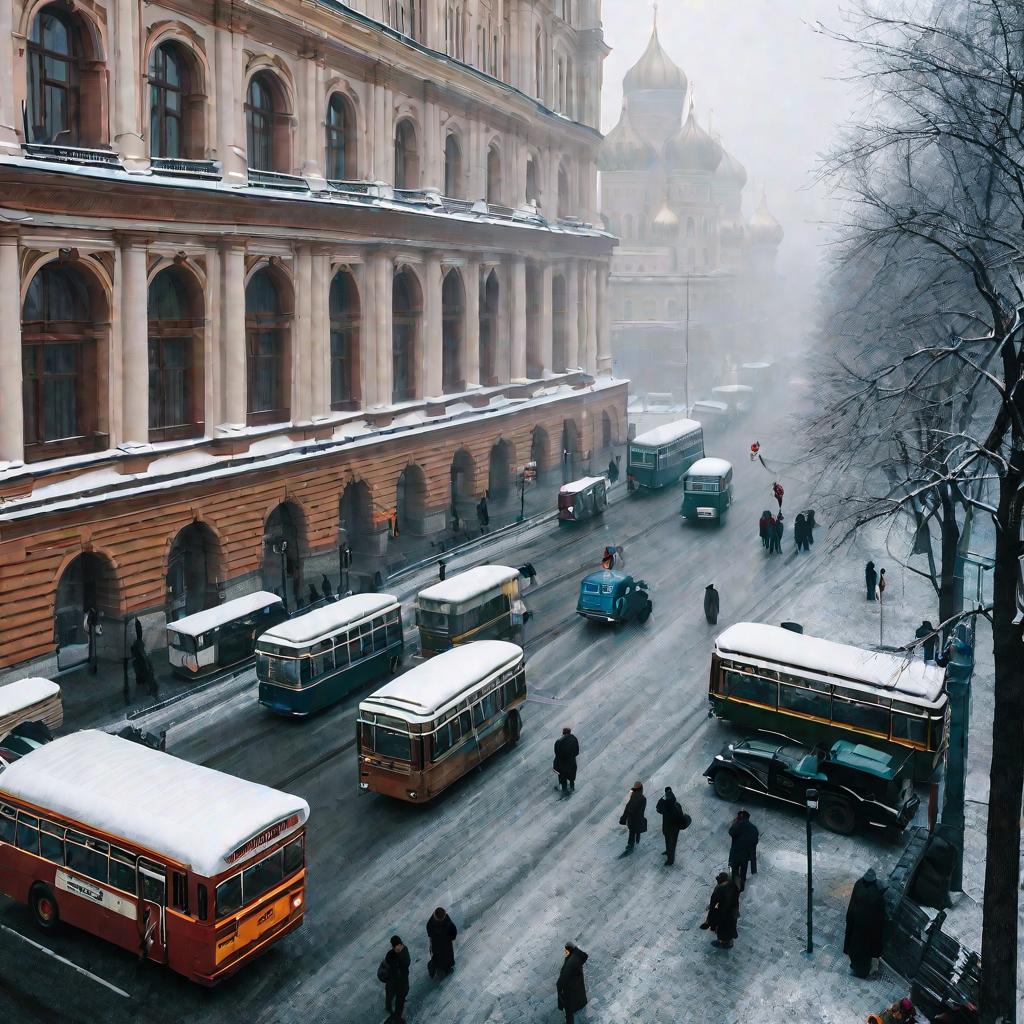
184	865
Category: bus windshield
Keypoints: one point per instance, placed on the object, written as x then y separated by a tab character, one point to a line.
437	621
255	881
391	744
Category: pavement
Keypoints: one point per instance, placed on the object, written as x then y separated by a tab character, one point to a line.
520	868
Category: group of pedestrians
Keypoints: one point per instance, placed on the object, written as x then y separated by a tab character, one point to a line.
771	529
874	582
393	971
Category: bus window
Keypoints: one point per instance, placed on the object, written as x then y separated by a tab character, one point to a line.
179	891
394	627
437	621
478	713
294	856
744	687
262	877
229	896
910	729
183	642
28	833
89	859
365	640
387	743
202	899
803	701
380	638
51	842
322	660
869	717
7	824
122	870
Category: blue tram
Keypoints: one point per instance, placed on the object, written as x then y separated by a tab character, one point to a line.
661	456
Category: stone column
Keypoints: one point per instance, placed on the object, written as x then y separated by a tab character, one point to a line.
526	55
368	335
12	430
384	275
432	175
320	337
134	342
603	315
428	377
302	332
127	78
474	160
234	365
213	390
517	318
545	343
575	294
311	123
588	319
230	113
383	141
471	334
10	115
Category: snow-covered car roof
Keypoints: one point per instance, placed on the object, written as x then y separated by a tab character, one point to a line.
238	608
666	433
304	629
575	486
469	584
23	693
709	467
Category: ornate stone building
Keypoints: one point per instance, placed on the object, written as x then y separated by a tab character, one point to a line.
689	271
303	271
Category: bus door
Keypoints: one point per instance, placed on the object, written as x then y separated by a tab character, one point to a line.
152	887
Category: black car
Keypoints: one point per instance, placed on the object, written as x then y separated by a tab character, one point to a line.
857	785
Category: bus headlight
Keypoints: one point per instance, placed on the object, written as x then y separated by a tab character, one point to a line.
411	794
296	902
364	785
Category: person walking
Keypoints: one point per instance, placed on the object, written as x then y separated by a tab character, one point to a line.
483	515
442	933
613	471
755	449
811	524
673	821
711	604
442	569
723	911
763	527
775	539
926	632
633	816
394	972
567	749
608	558
778	492
325	588
865	924
800	531
870	580
571	986
743	849
881	584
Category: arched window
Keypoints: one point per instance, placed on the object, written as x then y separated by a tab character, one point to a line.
538	67
59	353
345	323
534	287
532	192
341	140
452	167
453	312
406	313
489	319
266	123
175	365
267	330
54	100
168	92
407	159
563	192
559	324
493	174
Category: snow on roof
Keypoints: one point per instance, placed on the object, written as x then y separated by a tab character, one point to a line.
187	812
469	584
23	693
711	405
575	486
906	678
201	622
667	433
733	389
756	366
426	689
709	467
304	629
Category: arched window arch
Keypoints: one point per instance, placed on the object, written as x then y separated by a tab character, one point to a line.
452	166
268	317
341	163
60	356
175	132
532	190
345	314
175	357
559	324
406	315
489	322
453	313
563	192
267	124
494	189
407	158
54	55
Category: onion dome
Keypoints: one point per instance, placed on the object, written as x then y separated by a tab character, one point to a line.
666	224
730	171
763	227
692	150
654	71
624	150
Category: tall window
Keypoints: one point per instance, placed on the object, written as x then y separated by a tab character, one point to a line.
407	161
341	143
563	192
58	360
265	124
53	53
493	175
267	335
406	310
534	285
559	324
344	312
452	167
538	68
453	311
489	297
532	192
173	365
168	88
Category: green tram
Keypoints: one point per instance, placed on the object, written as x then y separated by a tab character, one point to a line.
707	491
661	456
820	691
312	661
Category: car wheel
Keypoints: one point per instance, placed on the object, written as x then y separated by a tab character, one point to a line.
44	907
645	612
838	816
727	786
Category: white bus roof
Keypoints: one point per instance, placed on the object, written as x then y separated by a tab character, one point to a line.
421	692
304	629
202	622
189	813
733	389
575	486
666	433
23	693
756	366
709	467
711	405
469	584
903	678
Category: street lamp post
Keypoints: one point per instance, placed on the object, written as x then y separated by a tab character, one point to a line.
811	801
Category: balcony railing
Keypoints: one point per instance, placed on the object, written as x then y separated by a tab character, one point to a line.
72	155
275	179
206	169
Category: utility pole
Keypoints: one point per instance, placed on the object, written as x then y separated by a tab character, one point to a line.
686	369
811	804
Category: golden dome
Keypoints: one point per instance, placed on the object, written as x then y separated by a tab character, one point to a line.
692	150
623	149
666	223
655	70
763	227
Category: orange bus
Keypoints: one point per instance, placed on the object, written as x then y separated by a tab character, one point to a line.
184	865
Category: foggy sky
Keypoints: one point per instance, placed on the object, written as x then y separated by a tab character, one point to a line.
773	87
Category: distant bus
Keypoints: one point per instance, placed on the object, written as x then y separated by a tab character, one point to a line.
661	456
822	691
312	661
424	730
176	862
707	490
221	637
582	499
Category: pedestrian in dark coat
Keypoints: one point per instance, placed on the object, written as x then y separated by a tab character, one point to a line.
673	820
780	529
800	531
771	535
811	524
567	749
633	816
881	583
313	596
865	924
613	471
396	983
763	527
870	580
778	492
571	987
723	911
442	933
325	588
482	514
926	632
743	850
711	604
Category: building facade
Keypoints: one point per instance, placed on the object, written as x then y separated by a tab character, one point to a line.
692	279
276	278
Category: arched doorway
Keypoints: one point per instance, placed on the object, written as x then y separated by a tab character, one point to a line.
453	311
283	541
355	518
540	451
411	500
489	318
499	472
570	451
88	582
193	568
463	484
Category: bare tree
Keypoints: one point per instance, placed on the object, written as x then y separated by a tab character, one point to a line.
935	185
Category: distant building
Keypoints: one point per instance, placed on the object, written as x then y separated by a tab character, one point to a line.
674	197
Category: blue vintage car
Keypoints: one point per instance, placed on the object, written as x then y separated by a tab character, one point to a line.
610	596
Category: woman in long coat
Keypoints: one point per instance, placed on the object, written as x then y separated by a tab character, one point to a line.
442	933
723	911
633	816
865	924
571	988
